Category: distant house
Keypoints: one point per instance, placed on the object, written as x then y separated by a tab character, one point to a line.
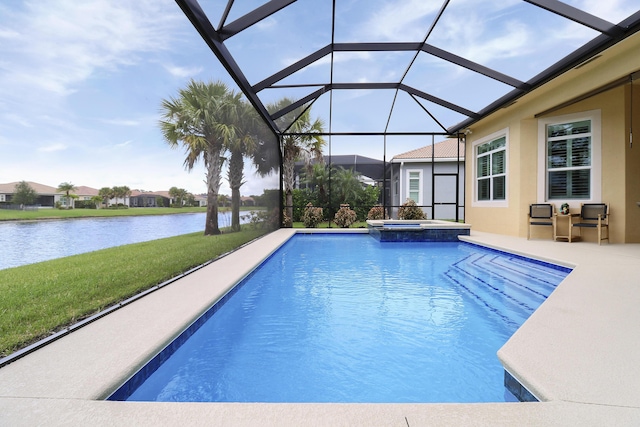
47	196
85	193
247	201
150	199
415	173
201	199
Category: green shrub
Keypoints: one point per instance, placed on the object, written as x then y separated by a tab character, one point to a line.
264	219
84	204
312	216
345	216
286	221
301	197
369	196
409	210
376	212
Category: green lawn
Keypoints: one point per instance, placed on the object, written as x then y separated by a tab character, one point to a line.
38	299
12	215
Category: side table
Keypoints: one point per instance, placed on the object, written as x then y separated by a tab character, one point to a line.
562	224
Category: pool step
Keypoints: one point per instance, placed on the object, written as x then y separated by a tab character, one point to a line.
511	288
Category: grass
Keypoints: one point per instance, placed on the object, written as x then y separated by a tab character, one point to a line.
15	215
39	299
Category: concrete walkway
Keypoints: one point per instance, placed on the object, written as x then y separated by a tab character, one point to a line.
579	353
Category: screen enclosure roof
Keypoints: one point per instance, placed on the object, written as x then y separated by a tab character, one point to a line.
385	67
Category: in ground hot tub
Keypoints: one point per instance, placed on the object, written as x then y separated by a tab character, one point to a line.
428	230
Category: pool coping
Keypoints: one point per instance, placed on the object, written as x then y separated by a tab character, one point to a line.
582	366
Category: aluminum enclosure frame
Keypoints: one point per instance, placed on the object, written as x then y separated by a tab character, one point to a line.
609	34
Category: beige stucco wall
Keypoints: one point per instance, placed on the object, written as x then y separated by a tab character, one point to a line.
620	164
632	165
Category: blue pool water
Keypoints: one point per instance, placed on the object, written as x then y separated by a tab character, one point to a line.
345	318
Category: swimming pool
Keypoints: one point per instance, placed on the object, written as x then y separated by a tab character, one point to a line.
344	318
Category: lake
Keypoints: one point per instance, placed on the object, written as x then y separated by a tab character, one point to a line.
27	242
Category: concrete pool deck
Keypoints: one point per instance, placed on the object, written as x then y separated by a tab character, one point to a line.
579	353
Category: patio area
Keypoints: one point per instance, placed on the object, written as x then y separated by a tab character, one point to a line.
577	353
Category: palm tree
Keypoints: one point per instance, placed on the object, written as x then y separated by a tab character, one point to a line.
223	199
348	186
297	147
115	192
126	193
179	194
96	200
67	188
199	120
106	193
244	144
318	177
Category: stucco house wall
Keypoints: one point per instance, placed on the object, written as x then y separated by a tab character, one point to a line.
619	161
444	161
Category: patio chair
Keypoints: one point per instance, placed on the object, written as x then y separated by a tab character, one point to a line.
593	215
539	214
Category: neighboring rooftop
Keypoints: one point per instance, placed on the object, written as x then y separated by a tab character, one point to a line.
83	190
448	149
9	188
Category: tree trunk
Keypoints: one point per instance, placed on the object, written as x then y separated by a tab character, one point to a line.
288	181
236	166
214	167
235	209
288	209
211	222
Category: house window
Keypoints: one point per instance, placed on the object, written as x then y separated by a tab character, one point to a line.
569	159
414	186
2	198
491	169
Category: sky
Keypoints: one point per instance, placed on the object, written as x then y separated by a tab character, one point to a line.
81	82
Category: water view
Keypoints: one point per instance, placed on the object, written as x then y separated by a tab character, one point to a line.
28	242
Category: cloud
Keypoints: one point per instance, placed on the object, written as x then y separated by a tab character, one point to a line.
55	45
124	144
53	147
17	119
121	122
612	10
8	34
267	24
183	72
396	21
512	40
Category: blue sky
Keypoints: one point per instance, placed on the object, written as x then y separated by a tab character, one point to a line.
81	81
